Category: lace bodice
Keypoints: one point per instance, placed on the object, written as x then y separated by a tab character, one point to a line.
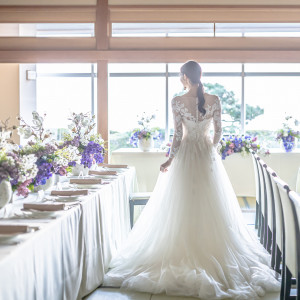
189	123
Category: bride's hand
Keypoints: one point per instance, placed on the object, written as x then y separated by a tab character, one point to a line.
164	166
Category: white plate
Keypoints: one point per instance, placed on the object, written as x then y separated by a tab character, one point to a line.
41	213
4	237
71	198
88	186
106	176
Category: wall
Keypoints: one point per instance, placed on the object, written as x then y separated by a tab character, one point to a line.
239	169
9	94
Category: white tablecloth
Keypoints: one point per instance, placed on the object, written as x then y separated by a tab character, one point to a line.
66	258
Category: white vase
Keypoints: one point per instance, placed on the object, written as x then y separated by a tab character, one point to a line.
146	144
289	146
80	169
5	192
44	187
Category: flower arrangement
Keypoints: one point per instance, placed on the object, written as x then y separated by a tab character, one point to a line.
239	144
41	146
144	131
166	147
26	167
90	146
14	167
287	134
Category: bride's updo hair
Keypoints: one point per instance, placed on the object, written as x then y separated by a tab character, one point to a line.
193	72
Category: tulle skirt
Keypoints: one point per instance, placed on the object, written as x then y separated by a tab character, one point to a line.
191	238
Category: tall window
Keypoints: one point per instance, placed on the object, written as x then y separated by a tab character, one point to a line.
135	89
275	88
58	90
255	97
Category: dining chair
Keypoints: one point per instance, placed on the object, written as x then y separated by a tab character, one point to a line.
271	231
257	188
295	199
278	224
298	182
263	205
269	210
137	199
290	237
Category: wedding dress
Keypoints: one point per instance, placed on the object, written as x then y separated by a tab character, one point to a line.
191	238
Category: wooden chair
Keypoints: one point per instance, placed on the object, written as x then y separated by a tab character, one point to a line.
257	186
278	224
290	241
137	199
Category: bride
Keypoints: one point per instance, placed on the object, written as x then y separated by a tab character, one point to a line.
191	239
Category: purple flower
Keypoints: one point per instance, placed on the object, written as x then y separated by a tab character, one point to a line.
44	172
93	153
72	163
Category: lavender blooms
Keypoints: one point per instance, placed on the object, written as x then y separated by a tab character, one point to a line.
93	153
238	144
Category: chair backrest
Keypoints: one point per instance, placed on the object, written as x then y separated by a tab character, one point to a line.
256	175
295	200
298	182
289	229
278	208
269	195
262	188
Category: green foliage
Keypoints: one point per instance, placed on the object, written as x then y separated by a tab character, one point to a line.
231	106
119	140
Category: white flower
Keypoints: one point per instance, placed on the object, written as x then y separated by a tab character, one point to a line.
27	167
37	119
25	132
285	134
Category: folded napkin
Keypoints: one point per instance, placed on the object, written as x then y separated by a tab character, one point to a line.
44	206
86	181
70	193
94	172
12	228
112	166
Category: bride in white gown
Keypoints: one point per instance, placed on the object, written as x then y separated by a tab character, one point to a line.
191	238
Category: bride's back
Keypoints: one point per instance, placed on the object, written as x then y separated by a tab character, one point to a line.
186	108
189	105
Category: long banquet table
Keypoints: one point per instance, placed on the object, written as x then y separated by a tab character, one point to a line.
68	256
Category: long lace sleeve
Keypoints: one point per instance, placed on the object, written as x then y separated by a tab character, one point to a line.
217	122
177	127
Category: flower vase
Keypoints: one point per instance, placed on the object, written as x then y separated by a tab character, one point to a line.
146	144
288	146
5	193
80	169
44	187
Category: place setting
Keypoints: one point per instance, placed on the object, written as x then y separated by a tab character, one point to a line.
113	167
10	233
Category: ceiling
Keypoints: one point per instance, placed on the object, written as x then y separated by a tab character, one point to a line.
152	2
